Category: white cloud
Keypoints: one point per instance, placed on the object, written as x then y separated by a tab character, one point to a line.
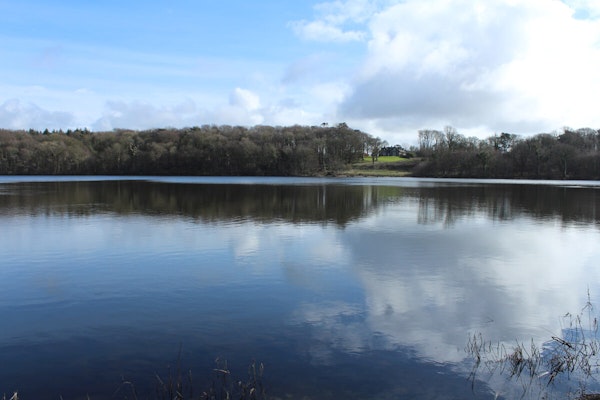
334	19
289	112
244	99
340	12
329	93
15	114
143	115
510	65
243	107
325	32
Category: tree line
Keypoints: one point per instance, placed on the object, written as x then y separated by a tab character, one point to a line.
571	154
206	150
294	151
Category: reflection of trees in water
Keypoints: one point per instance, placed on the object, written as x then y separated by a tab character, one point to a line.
207	202
447	204
300	203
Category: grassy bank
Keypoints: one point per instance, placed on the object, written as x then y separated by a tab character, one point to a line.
384	166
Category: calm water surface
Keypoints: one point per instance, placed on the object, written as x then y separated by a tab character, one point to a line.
343	288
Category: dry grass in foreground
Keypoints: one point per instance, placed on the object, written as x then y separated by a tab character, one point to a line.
178	385
574	356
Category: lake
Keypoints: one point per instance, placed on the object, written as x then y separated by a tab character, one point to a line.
349	288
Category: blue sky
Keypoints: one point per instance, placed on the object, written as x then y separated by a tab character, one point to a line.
388	67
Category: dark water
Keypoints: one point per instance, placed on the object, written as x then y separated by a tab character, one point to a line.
350	288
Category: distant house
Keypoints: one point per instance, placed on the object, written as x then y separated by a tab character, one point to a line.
396	150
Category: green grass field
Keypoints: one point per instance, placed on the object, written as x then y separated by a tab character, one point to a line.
384	166
383	159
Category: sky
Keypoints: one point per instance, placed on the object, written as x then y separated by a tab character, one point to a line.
387	67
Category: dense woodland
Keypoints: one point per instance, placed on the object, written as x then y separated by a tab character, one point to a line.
294	151
206	150
572	154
